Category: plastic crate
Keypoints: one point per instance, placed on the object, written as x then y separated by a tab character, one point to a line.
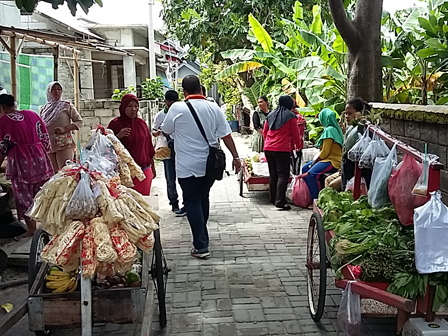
419	327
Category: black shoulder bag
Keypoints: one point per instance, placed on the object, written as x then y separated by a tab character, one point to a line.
216	160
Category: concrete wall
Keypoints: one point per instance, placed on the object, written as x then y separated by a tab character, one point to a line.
416	125
102	111
9	14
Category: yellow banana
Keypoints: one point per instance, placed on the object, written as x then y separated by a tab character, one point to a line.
57	284
64	288
60	273
57	277
73	286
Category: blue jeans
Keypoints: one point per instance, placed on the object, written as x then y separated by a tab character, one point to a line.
314	174
196	191
170	176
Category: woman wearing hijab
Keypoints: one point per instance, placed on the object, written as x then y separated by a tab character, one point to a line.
281	136
134	134
259	120
60	118
329	159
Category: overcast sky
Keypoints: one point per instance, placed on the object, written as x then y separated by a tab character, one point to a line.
137	12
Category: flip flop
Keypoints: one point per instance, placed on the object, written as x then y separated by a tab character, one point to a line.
284	208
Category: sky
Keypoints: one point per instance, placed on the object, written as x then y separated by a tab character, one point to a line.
137	11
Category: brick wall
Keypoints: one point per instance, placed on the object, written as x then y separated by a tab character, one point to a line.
101	112
417	125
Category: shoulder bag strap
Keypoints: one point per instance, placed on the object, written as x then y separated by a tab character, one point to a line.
198	122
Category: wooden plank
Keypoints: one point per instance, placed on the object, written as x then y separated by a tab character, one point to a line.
149	311
40	278
63	310
368	292
14	316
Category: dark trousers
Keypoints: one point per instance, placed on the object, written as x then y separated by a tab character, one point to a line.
278	163
196	191
170	176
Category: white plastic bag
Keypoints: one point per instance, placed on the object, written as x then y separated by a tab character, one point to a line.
163	152
161	142
430	228
376	148
290	188
349	313
83	203
382	169
359	148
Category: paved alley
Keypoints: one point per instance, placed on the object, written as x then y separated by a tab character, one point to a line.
254	283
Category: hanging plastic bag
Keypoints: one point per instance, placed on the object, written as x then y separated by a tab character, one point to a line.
382	169
290	189
82	204
352	136
400	187
99	154
351	186
301	194
359	148
430	228
421	187
163	152
349	313
376	148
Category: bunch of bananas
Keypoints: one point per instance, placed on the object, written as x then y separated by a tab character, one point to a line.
248	163
59	281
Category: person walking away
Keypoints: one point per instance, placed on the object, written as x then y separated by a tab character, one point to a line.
25	141
169	165
281	134
329	159
297	157
134	134
60	118
192	152
258	120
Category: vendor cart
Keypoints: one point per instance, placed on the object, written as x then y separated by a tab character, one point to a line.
81	309
376	301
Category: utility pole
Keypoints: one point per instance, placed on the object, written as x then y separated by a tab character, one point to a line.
152	53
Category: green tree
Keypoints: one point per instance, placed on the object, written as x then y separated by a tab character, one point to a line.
30	5
363	38
219	25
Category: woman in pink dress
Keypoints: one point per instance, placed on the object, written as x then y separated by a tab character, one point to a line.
25	141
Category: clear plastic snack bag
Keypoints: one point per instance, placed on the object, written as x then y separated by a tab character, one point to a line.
163	152
83	203
349	313
430	226
421	187
376	148
359	148
378	193
100	154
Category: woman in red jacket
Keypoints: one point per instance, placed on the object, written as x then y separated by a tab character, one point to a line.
281	136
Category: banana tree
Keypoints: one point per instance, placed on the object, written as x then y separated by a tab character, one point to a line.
311	65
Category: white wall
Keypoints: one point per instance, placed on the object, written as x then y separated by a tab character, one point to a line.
9	14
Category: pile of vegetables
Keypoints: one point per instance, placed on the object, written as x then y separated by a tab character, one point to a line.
375	240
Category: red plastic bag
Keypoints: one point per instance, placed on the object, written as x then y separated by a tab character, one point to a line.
400	186
301	194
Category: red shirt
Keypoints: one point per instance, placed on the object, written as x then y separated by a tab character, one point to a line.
284	139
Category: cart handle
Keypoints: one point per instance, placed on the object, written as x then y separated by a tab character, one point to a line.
369	292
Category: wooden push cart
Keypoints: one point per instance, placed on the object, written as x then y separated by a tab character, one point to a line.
81	309
318	261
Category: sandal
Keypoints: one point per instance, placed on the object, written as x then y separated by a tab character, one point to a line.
284	208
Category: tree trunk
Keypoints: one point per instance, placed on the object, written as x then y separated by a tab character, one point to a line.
363	38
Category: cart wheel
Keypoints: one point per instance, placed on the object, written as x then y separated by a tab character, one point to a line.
241	182
317	267
159	272
40	239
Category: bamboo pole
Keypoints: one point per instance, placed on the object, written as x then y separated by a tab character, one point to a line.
56	63
37	40
76	91
13	56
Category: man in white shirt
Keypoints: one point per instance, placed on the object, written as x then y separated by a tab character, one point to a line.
171	97
191	156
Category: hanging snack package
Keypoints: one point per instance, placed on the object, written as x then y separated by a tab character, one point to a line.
88	255
430	226
349	313
376	149
421	187
124	248
146	243
83	203
359	148
104	249
163	152
400	187
100	154
69	242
